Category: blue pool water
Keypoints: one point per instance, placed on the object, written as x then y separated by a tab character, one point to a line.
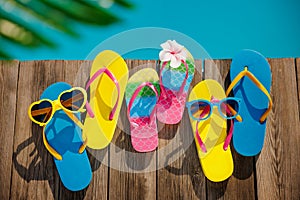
222	28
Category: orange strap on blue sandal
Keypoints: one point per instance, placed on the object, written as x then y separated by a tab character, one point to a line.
59	113
251	79
42	111
247	73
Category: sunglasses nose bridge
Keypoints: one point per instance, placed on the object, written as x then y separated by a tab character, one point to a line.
56	105
214	105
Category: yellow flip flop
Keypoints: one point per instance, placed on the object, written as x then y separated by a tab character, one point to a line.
210	134
108	80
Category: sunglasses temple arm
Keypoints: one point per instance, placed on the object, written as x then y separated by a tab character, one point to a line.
201	144
74	119
229	136
83	146
40	111
51	150
78	122
73	99
229	110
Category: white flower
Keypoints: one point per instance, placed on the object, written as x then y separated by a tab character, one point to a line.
174	52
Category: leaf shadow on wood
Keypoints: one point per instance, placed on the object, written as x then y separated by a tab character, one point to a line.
42	167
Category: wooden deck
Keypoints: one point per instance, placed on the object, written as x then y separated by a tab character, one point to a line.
27	170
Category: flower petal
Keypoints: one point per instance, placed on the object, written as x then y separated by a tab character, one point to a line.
164	55
176	47
182	55
166	45
175	63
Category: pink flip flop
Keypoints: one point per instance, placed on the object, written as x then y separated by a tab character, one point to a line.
141	99
176	74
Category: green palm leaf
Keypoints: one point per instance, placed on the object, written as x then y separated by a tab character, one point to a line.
82	12
48	15
18	31
124	3
58	14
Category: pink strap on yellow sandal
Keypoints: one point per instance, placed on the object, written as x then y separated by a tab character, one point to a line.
113	78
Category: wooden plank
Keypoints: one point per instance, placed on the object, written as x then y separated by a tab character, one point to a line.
34	174
241	184
31	173
39	75
131	175
77	73
298	79
217	70
278	164
179	172
9	72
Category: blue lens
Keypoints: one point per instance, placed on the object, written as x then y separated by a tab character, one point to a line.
229	108
200	109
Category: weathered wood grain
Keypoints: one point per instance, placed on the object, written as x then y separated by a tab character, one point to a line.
217	70
9	73
28	171
241	184
179	173
278	165
34	175
298	79
77	73
132	174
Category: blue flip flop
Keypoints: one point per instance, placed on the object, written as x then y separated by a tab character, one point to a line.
251	78
65	137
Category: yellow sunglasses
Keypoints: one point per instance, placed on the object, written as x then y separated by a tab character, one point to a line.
70	101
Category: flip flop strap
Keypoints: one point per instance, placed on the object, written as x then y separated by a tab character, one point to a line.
113	78
163	91
52	151
201	143
228	137
247	73
84	137
135	94
229	110
226	142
